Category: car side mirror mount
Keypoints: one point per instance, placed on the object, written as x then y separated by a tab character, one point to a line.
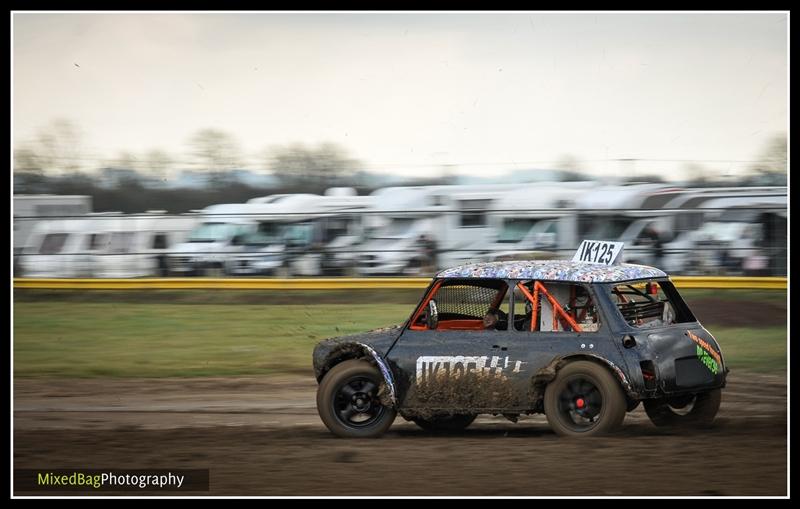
432	315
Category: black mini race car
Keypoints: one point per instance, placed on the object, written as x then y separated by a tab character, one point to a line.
581	342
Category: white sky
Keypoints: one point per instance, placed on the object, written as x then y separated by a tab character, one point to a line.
409	92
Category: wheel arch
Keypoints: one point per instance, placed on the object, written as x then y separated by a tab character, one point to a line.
548	373
353	351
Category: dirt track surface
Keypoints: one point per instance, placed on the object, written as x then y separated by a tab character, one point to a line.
737	313
262	436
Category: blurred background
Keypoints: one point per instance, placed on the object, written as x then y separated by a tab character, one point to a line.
361	144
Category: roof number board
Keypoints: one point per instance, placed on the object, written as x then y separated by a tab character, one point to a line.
599	251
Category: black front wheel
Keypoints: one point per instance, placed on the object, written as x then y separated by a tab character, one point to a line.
445	423
584	399
348	401
687	410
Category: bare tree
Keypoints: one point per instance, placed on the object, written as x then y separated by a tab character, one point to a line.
300	166
58	146
774	158
26	160
215	151
158	163
125	160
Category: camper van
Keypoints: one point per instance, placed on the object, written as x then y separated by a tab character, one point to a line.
537	220
646	215
415	230
741	235
303	234
218	233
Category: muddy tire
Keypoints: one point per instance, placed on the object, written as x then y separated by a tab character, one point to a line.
348	403
445	423
584	399
696	411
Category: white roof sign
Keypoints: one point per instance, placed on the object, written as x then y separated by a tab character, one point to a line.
599	251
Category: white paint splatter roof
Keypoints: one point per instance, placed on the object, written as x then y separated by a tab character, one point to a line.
554	270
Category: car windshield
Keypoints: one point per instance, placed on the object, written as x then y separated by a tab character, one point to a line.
610	228
650	304
397	228
266	233
299	234
722	231
213	232
514	230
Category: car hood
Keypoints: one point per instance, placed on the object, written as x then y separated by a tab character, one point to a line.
188	248
378	341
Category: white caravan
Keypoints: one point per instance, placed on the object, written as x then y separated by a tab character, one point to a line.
103	245
30	209
62	248
136	245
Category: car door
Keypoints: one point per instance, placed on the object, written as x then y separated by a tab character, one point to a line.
455	364
566	322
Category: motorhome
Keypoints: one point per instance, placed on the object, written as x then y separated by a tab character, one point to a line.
414	230
636	214
218	233
741	235
537	220
303	234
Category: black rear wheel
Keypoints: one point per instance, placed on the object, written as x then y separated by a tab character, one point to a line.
348	401
687	410
584	399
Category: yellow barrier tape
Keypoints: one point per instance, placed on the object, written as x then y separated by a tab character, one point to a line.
748	283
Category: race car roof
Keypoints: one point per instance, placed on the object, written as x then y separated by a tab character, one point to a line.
554	270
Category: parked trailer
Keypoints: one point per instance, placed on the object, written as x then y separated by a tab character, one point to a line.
29	209
137	245
62	248
103	245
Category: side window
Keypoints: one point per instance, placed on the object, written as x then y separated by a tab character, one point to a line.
650	304
98	241
473	213
53	243
466	305
554	307
160	241
121	242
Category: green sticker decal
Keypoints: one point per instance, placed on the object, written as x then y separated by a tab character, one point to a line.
707	360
